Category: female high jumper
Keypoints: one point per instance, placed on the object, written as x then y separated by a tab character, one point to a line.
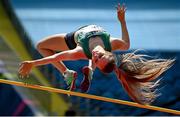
136	72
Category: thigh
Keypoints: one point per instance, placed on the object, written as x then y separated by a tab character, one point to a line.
55	42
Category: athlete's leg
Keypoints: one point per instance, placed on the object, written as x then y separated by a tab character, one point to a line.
88	75
50	45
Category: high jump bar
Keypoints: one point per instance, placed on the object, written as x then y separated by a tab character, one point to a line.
61	91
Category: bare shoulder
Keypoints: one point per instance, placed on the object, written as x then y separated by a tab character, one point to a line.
118	44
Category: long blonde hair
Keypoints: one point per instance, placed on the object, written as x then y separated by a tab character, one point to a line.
138	74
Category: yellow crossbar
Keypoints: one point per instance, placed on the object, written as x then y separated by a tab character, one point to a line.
50	89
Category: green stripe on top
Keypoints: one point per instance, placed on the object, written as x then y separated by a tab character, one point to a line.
84	37
85	33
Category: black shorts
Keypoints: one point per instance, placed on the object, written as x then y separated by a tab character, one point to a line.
69	38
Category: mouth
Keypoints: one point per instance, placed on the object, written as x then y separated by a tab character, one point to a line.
95	54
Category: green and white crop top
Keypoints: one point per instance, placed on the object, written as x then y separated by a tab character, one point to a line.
83	35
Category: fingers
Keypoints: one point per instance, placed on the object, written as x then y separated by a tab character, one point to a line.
124	8
23	74
121	8
118	7
20	71
23	70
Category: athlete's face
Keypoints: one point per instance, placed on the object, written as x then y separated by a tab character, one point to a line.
99	58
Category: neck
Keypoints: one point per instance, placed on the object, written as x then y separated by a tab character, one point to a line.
95	42
97	47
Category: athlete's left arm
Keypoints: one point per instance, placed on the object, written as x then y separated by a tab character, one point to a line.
75	54
122	43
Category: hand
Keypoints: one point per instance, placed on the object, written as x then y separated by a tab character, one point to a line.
25	68
121	12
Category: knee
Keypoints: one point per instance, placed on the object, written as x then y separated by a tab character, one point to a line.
39	45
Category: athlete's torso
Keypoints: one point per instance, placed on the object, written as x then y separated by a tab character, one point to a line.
89	36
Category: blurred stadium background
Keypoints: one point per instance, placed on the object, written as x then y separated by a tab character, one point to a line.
153	25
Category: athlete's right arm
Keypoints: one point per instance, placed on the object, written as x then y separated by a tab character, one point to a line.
75	54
